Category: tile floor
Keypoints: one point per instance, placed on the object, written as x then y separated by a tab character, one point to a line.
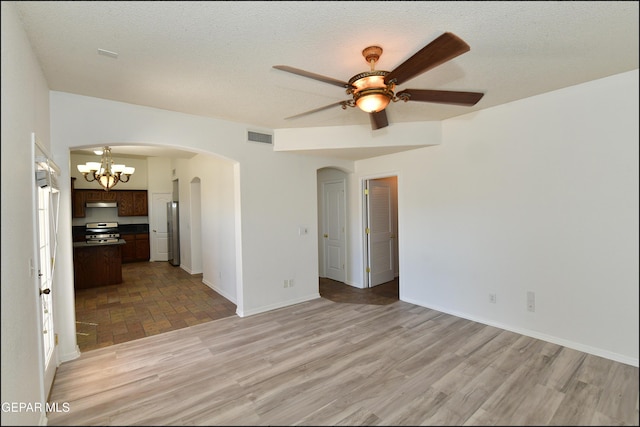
157	297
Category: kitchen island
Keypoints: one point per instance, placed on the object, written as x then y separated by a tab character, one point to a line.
97	264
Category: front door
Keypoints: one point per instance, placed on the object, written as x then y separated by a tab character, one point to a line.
47	202
159	233
379	231
334	231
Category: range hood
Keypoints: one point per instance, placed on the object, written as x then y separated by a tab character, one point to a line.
102	204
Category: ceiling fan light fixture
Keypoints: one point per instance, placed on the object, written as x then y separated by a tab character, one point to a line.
372	100
373	90
370	93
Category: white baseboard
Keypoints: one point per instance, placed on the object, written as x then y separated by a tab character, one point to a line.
533	334
69	356
266	308
222	292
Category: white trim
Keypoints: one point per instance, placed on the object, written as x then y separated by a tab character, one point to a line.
70	356
277	305
219	290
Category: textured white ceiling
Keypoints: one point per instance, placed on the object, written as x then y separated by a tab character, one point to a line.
215	58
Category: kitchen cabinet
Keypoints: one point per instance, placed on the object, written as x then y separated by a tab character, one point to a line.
132	203
80	197
97	265
99	196
78	201
143	250
137	247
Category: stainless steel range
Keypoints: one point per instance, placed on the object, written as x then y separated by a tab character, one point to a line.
101	232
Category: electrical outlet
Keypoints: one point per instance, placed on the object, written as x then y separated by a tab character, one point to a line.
492	298
531	301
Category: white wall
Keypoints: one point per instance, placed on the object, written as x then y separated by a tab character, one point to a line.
195	206
218	221
538	195
25	109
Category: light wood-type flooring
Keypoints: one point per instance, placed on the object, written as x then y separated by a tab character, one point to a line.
337	363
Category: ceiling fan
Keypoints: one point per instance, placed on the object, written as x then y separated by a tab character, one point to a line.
372	91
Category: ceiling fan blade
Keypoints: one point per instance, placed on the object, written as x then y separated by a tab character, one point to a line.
439	51
326	107
379	120
441	96
311	75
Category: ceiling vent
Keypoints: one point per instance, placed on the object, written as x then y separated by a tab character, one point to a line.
264	138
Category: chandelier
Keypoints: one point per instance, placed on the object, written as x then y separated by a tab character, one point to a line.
106	173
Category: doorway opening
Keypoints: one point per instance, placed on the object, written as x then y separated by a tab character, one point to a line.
380	218
157	297
333	240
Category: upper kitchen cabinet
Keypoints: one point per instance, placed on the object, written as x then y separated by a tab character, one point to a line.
77	201
132	202
99	196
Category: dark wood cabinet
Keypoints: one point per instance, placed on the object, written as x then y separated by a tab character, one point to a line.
78	202
143	250
132	203
137	247
97	265
129	248
99	196
80	197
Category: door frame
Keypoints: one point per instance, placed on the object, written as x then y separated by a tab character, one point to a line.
364	218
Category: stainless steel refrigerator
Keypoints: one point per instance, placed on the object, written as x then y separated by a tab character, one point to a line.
173	230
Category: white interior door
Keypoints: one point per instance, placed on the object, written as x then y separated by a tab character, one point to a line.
379	231
159	233
334	231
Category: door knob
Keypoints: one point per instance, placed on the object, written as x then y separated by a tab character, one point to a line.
45	291
326	236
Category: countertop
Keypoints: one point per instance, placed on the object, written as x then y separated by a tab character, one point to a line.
98	245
